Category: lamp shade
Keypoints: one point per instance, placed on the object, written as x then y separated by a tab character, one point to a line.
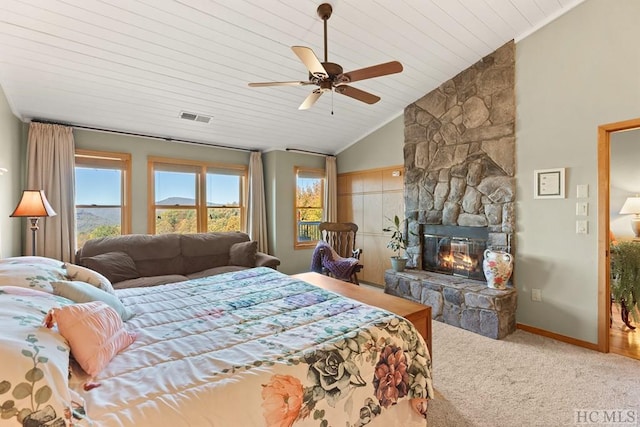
33	204
631	206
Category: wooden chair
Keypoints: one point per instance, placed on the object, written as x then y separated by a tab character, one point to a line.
341	236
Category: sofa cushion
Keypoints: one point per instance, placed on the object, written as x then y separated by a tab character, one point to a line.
115	266
201	251
142	282
153	254
243	254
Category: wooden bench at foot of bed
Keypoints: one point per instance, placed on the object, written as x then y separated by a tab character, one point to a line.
418	314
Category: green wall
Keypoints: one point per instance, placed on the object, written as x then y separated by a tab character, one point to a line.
11	158
280	188
579	72
381	148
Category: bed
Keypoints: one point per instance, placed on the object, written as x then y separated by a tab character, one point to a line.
248	348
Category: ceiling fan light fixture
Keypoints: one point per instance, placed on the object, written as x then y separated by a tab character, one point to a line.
329	76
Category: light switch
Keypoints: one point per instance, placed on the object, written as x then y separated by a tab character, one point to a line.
582	191
582	226
582	208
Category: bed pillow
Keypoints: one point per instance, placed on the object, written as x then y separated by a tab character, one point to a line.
243	254
115	266
94	332
31	272
79	292
34	367
83	274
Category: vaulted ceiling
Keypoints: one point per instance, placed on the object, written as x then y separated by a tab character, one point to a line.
135	65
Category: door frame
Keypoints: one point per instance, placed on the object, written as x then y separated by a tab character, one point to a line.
604	168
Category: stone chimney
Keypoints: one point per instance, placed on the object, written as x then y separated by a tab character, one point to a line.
459	153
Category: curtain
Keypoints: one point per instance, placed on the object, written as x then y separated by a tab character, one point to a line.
256	208
50	167
331	192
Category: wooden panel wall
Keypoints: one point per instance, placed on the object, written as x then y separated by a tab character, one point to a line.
368	198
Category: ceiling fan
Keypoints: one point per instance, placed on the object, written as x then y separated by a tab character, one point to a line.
328	76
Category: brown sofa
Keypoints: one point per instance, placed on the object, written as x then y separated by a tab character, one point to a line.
136	260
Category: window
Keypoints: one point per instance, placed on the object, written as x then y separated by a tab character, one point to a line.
190	196
102	194
309	206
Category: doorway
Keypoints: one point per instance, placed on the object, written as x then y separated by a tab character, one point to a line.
615	339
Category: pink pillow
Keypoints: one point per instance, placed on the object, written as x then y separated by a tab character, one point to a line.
94	331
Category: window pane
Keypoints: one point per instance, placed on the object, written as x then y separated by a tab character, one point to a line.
98	186
223	190
176	221
309	192
223	219
308	222
95	222
175	188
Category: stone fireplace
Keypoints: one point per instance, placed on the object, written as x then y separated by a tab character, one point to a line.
459	157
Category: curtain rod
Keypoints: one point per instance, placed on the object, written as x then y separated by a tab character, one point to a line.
310	152
121	132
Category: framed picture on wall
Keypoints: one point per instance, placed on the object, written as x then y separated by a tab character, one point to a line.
548	183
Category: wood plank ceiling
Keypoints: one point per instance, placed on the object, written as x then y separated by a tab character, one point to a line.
134	65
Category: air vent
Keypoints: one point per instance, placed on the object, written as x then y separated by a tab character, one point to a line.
195	117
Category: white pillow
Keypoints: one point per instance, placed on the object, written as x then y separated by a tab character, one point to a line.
83	274
80	292
31	272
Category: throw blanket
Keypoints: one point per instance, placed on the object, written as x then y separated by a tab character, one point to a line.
324	257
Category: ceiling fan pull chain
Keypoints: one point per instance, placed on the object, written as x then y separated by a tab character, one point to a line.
332	103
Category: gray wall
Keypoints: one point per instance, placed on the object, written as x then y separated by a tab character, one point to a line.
11	156
624	179
280	185
571	76
569	80
379	149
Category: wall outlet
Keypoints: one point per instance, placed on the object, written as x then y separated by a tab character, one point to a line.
536	295
582	191
582	226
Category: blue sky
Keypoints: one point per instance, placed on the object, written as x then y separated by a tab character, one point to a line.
101	187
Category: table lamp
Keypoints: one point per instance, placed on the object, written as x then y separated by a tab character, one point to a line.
632	206
33	204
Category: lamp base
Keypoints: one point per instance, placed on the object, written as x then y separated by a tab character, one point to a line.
635	225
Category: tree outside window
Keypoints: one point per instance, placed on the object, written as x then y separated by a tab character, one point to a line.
309	207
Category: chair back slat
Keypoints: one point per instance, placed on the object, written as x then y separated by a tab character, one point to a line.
341	236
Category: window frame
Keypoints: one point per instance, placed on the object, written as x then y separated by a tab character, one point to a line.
201	169
109	160
321	173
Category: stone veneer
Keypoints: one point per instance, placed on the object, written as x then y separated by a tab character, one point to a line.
460	153
467	304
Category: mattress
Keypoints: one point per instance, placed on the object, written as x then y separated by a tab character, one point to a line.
259	348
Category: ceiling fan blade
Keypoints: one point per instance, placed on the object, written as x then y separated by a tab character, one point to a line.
310	60
358	94
265	84
310	100
371	72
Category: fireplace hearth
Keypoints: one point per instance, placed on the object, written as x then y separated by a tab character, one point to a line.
454	250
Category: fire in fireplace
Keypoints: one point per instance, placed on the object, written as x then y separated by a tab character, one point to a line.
454	250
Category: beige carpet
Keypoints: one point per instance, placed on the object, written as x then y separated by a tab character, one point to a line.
527	380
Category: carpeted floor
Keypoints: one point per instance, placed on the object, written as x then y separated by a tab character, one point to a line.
528	380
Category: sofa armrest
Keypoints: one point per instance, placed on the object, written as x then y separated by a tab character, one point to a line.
266	260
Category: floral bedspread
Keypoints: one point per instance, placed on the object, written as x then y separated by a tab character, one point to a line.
259	348
34	364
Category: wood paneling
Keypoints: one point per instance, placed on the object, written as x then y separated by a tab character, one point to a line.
367	198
